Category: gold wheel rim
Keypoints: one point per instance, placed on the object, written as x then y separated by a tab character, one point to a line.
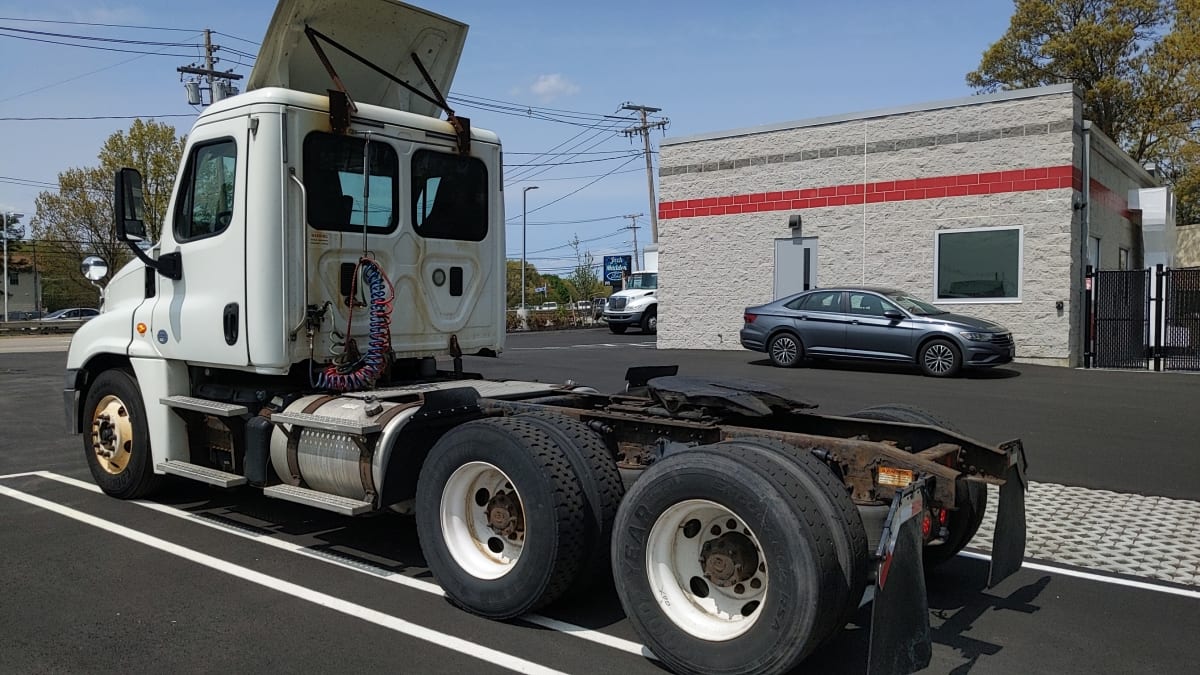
112	435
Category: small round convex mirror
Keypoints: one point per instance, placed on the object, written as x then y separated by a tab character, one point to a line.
94	268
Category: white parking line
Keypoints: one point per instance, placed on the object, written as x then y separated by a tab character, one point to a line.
1091	576
378	618
588	634
600	345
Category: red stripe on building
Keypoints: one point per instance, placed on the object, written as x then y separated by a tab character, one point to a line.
990	183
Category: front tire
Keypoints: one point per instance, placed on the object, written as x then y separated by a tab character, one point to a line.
650	322
722	565
618	329
940	358
117	441
785	350
484	487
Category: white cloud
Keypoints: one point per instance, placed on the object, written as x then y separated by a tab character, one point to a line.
550	87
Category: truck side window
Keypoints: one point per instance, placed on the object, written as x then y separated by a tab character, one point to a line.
205	206
333	178
450	196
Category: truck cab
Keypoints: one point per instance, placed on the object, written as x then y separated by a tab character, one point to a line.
635	305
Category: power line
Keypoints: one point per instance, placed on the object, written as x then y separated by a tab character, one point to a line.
97	38
92	117
107	49
582	161
577	190
237	38
527	180
105	25
78	77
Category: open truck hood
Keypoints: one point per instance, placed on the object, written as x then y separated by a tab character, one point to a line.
384	32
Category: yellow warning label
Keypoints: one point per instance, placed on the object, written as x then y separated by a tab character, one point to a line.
894	477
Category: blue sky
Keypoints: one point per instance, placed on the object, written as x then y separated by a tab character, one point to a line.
709	65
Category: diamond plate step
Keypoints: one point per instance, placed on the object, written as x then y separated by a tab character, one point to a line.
206	406
321	500
326	423
201	473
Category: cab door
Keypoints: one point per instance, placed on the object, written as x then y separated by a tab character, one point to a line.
201	318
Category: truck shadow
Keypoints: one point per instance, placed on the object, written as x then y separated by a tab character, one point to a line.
957	592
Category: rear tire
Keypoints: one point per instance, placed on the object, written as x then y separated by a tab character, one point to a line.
116	440
970	504
484	485
785	350
596	469
618	329
723	564
833	500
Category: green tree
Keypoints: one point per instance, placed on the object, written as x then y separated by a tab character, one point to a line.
513	286
583	277
1137	63
76	220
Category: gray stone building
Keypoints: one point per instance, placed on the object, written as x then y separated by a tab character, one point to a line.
988	205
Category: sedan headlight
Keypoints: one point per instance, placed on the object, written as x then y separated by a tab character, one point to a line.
977	337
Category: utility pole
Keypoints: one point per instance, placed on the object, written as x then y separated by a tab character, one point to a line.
644	130
219	86
637	265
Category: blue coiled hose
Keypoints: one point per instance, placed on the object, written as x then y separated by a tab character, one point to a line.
363	373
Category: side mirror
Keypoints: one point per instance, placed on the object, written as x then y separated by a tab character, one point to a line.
94	268
129	205
893	314
129	208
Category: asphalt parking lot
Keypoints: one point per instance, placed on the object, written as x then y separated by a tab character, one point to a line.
203	580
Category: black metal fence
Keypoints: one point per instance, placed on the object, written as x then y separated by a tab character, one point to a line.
1120	321
1179	343
1139	319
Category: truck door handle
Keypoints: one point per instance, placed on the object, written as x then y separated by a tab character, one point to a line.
230	322
802	317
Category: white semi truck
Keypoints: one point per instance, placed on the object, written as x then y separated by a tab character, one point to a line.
330	236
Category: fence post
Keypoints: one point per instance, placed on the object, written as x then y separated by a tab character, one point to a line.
1160	276
1089	333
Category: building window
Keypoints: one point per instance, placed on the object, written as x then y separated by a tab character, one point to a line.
1122	258
978	265
14	279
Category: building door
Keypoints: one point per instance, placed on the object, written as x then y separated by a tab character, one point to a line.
795	265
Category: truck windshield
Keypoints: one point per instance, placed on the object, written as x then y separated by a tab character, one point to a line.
643	281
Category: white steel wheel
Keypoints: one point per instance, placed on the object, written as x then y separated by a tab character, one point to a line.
483	520
708	569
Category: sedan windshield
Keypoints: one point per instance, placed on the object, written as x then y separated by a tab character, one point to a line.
918	307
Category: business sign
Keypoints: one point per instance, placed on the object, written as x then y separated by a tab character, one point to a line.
616	267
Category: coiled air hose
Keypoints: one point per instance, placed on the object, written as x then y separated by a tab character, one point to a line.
362	373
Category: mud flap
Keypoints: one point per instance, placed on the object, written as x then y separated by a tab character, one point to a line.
1008	541
900	636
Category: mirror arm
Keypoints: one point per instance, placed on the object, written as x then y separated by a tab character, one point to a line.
170	265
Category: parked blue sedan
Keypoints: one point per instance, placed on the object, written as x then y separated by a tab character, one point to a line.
880	324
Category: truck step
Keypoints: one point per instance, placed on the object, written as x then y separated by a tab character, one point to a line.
326	423
216	408
201	473
322	500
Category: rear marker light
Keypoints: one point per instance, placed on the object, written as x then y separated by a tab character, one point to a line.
749	318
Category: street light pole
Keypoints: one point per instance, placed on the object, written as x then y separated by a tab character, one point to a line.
524	193
5	232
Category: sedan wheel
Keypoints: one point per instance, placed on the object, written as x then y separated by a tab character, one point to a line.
940	359
785	350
